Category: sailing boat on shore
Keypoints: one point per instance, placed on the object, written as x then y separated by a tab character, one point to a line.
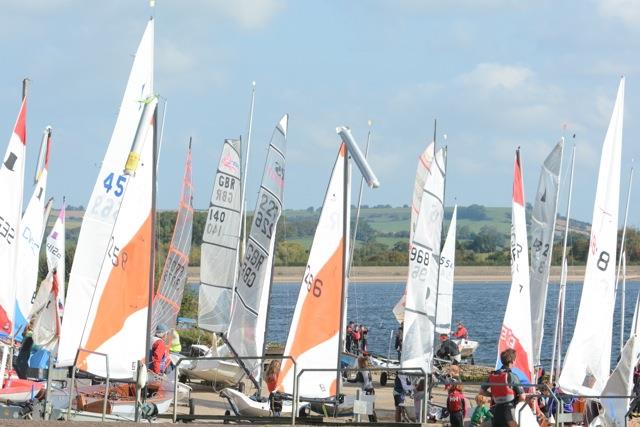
587	362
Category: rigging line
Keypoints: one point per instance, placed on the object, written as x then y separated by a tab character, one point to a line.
621	254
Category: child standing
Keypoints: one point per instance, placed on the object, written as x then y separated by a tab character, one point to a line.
456	405
482	412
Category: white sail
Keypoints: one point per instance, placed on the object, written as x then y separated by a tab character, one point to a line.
29	242
11	188
56	255
620	383
516	326
588	358
249	312
166	303
220	242
424	165
45	319
318	305
543	223
420	308
444	312
107	299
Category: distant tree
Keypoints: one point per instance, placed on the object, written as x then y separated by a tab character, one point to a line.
473	212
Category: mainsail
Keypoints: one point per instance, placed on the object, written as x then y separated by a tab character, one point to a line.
56	255
516	326
586	365
166	303
319	300
420	309
620	383
31	234
11	188
44	314
107	301
220	242
444	310
543	223
424	165
249	312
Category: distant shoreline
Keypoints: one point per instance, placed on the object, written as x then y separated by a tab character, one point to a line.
463	274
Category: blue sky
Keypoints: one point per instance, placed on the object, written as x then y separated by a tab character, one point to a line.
496	73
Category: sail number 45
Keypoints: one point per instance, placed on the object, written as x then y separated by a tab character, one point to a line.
108	184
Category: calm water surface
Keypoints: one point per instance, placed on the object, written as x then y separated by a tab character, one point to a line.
480	306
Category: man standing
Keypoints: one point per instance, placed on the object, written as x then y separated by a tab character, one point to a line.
505	390
448	350
159	352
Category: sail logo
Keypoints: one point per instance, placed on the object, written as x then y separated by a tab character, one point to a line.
276	173
508	339
28	236
231	164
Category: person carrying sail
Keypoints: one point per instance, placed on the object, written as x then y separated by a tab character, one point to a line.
159	352
505	390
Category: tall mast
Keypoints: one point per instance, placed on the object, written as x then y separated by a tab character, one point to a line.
355	225
243	205
558	331
444	194
620	255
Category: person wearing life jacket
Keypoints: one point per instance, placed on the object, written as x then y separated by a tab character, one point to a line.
159	352
461	332
505	390
456	405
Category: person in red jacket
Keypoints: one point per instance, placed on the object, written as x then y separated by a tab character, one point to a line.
159	352
456	405
461	332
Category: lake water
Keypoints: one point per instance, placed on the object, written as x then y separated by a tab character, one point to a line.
479	306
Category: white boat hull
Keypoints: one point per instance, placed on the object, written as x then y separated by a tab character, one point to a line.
466	347
243	405
217	371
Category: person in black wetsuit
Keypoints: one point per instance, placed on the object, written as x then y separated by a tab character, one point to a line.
448	349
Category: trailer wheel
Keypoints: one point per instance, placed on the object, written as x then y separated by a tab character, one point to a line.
383	379
226	414
473	362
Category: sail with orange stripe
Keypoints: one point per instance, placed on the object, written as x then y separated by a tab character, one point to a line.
29	242
313	337
220	242
424	164
106	307
249	312
422	281
11	190
166	303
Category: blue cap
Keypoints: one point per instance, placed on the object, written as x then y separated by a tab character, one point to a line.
161	328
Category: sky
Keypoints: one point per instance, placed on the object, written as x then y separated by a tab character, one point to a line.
497	74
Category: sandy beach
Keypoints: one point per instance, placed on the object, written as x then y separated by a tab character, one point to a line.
463	274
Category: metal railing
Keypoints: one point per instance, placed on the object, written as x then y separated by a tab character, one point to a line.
232	358
73	380
417	372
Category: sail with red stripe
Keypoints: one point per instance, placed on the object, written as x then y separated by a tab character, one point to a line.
11	190
516	326
166	303
249	312
424	165
107	299
30	240
587	363
313	337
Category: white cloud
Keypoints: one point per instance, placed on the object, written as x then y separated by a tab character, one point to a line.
627	11
489	76
251	14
